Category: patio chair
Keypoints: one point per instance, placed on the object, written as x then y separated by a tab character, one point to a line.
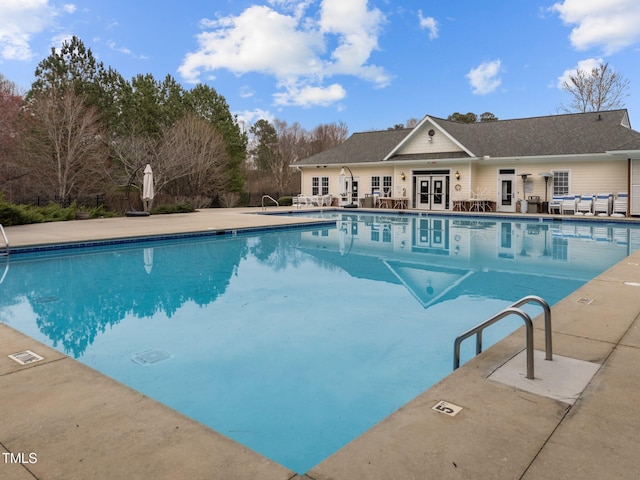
569	203
325	200
620	205
300	200
602	204
585	204
555	205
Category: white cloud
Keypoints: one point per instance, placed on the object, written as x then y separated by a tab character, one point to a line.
246	91
585	65
300	48
430	24
124	50
248	117
307	96
485	78
609	24
57	40
21	20
357	29
258	40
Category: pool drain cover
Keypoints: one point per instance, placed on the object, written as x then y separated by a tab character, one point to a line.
25	357
151	357
50	299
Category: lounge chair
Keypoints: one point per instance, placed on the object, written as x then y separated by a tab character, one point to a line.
602	204
585	204
620	205
584	232
569	203
621	235
300	200
603	233
555	205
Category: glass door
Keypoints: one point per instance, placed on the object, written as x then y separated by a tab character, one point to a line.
432	192
506	201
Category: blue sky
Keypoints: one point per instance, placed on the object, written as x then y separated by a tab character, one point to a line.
370	64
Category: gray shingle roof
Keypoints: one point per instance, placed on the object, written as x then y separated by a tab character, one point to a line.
569	134
359	148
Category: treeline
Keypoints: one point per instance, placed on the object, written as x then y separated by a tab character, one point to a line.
276	145
83	129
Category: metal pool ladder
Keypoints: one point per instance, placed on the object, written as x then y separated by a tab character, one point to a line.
269	197
5	252
511	310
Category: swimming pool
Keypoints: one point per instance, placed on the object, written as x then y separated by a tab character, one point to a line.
294	342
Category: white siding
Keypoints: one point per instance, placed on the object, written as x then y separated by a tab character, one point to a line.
606	176
422	142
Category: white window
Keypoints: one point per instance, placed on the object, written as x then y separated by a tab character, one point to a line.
386	186
325	185
375	184
560	182
316	183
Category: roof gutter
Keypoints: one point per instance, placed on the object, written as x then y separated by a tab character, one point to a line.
624	153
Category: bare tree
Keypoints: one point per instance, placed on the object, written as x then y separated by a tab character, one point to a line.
412	122
593	91
328	135
193	158
10	103
188	159
62	144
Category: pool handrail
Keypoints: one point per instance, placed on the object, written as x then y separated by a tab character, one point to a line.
511	310
270	198
6	241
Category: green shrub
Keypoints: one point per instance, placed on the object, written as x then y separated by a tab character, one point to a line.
175	208
17	215
11	214
285	201
101	212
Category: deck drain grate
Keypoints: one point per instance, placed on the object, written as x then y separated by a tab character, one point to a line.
25	357
585	301
151	357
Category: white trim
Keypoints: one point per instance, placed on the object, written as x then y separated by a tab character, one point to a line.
418	128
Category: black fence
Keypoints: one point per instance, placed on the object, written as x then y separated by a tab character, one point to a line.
255	199
92	201
246	199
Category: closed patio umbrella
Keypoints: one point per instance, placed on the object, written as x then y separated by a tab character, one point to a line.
148	259
147	188
342	184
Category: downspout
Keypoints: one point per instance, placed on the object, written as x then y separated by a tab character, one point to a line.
628	187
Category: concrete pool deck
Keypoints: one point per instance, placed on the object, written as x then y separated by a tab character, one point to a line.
62	420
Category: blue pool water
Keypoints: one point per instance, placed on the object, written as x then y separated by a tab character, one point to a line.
294	342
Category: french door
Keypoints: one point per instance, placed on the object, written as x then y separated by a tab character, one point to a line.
431	192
